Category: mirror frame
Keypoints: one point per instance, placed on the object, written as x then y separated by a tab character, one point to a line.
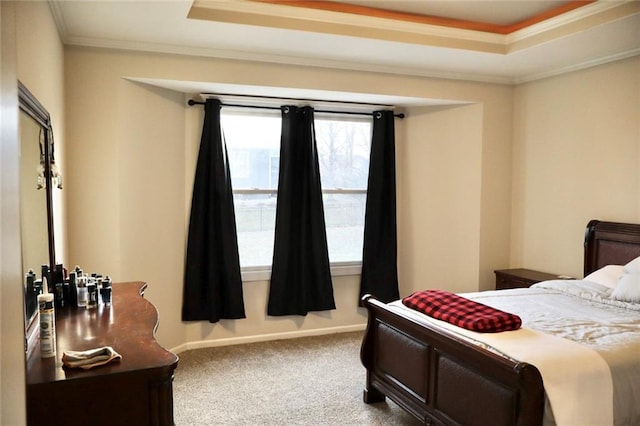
32	107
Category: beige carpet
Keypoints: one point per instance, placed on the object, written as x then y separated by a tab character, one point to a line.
306	381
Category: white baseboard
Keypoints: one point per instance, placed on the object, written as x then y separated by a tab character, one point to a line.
265	337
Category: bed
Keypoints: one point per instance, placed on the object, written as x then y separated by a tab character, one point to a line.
444	378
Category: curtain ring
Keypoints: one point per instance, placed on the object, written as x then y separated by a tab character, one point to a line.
377	115
285	110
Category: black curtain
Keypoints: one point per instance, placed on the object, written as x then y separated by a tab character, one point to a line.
300	276
212	280
379	255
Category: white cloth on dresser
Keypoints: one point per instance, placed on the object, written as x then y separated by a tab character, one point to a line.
90	358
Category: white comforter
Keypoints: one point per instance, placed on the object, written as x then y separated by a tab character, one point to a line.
585	345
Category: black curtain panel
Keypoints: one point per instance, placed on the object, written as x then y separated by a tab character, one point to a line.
300	277
379	256
212	280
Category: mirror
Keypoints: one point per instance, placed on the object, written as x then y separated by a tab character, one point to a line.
36	214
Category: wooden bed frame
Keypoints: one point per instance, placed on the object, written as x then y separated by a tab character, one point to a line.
444	380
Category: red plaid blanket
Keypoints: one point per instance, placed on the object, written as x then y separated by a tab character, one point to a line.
461	311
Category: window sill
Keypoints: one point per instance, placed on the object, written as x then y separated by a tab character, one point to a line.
338	269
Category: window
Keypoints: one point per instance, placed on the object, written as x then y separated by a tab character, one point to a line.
253	143
343	154
254	195
240	160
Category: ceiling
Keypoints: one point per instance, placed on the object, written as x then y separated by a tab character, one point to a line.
506	42
488	11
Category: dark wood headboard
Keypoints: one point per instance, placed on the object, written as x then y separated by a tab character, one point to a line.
610	243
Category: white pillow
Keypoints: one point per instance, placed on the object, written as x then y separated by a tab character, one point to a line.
633	266
607	275
628	288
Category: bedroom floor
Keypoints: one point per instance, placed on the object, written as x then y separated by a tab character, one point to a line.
305	381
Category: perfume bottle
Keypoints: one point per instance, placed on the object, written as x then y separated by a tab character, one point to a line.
105	291
73	290
92	293
82	296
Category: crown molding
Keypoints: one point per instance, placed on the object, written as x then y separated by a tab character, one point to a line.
279	59
625	8
331	22
277	15
58	18
332	64
577	21
588	11
309	15
577	67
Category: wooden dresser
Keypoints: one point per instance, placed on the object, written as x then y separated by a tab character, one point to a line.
137	390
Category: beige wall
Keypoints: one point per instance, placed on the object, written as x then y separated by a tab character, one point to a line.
576	158
133	150
12	387
40	67
32	53
440	164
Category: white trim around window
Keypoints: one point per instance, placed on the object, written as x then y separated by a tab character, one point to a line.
263	273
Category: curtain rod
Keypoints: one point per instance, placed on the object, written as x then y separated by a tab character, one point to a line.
194	102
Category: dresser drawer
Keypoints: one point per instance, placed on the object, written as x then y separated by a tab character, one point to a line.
520	278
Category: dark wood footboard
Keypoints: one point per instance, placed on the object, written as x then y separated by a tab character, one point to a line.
442	379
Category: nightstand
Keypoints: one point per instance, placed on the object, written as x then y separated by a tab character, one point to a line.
519	278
